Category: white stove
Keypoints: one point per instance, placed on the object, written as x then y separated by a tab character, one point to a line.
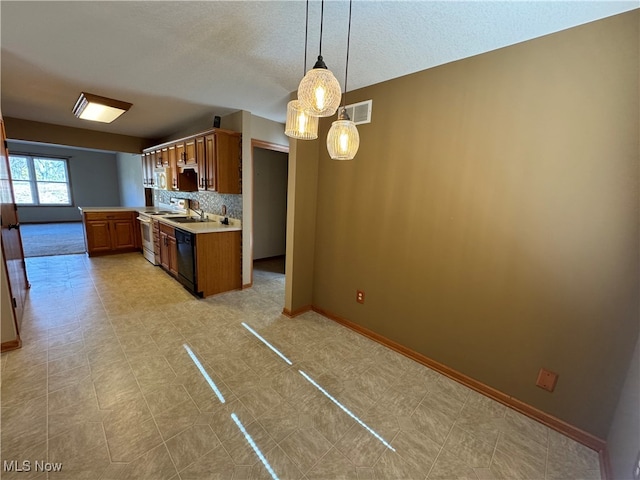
178	206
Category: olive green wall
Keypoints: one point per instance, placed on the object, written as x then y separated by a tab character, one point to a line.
301	224
491	217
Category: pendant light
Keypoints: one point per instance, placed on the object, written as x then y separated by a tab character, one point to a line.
301	124
319	91
343	139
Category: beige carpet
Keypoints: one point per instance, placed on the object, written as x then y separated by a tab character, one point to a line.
46	239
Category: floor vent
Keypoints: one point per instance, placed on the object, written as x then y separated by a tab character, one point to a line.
360	112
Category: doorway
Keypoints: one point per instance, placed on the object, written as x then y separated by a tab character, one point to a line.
270	180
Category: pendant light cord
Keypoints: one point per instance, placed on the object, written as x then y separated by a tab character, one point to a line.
321	21
306	36
346	68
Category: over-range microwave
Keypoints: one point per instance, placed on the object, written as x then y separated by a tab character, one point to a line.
163	178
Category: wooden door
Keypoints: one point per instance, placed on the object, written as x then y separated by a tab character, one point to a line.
172	156
12	253
180	156
164	250
158	157
190	151
173	255
202	160
210	161
165	157
98	238
228	163
122	234
148	167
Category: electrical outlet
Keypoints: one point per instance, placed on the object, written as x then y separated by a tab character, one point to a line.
359	296
547	379
636	468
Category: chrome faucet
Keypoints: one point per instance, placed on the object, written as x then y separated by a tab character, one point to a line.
201	213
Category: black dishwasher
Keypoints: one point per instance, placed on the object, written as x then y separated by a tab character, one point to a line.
186	245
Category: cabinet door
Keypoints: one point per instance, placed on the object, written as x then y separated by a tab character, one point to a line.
173	255
145	178
190	152
210	161
98	238
201	159
164	250
228	163
180	155
165	157
156	238
158	158
122	234
151	170
171	152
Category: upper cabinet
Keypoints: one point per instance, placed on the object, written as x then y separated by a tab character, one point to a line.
190	151
180	155
223	164
148	164
208	161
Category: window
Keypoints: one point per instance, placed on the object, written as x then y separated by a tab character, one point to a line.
39	180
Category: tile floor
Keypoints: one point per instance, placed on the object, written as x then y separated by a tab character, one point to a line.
107	385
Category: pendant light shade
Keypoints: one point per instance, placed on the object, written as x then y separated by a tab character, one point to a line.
343	139
319	90
300	123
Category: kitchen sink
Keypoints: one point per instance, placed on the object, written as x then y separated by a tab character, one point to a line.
187	219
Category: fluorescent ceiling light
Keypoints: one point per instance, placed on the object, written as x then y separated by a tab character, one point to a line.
99	109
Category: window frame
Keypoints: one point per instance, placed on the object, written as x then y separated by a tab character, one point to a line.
33	182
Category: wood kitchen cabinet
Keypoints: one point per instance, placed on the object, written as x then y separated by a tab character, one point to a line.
156	238
163	158
218	258
201	163
171	152
158	157
219	262
190	152
148	164
215	155
111	232
222	162
168	249
180	155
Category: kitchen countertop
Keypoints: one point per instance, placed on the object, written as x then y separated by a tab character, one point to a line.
114	209
211	226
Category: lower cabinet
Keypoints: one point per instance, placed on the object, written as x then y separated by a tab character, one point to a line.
219	262
217	257
111	232
168	249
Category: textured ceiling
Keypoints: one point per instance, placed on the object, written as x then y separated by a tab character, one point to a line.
178	62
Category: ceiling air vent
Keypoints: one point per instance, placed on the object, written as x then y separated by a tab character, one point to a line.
360	112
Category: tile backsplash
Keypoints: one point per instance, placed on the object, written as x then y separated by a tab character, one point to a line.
209	201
